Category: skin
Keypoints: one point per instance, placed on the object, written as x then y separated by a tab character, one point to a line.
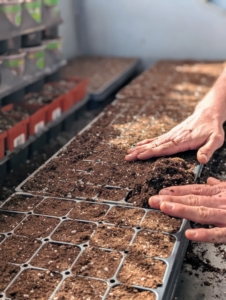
205	204
203	130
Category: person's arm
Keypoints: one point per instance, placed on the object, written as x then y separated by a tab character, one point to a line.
204	204
202	130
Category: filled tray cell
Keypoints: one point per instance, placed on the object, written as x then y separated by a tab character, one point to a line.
55	257
76	288
121	292
89	211
74	232
97	263
7	273
110	194
18	249
8	221
37	226
54	207
85	192
111	237
22	203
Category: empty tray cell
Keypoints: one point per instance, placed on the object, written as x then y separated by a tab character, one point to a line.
8	221
156	220
7	274
34	284
142	271
85	192
89	211
54	207
75	288
97	263
21	203
121	292
110	194
84	165
56	257
74	232
152	243
18	249
111	237
37	226
124	216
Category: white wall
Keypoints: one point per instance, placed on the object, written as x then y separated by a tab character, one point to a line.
68	29
152	29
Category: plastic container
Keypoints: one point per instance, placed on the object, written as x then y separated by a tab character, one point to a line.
80	89
17	135
35	58
34	9
53	51
54	110
3	137
15	63
33	39
12	45
12	11
51	33
51	8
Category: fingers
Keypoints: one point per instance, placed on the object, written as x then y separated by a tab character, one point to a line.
213	181
205	153
213	235
195	189
145	142
198	214
191	200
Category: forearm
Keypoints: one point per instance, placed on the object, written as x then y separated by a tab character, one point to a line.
215	100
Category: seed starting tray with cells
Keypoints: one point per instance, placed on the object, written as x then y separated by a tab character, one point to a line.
87	209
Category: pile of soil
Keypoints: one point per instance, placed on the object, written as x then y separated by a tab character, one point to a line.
99	70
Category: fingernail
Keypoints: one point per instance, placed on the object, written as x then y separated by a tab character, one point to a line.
155	201
205	157
169	205
164	192
192	233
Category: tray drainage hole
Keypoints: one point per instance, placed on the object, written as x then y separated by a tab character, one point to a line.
29	213
85	245
25	265
138	228
112	281
10	233
46	240
126	251
1	296
100	222
67	273
64	218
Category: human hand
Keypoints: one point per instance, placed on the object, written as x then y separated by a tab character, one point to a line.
205	204
202	129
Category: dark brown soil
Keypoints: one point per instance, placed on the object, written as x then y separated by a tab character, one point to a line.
86	166
121	292
97	263
142	271
155	220
75	288
37	226
54	207
109	194
74	232
89	211
124	216
18	249
111	237
55	257
8	221
153	244
84	192
33	284
9	272
21	203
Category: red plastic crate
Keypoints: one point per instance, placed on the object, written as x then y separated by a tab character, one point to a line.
38	119
80	89
3	137
17	135
54	109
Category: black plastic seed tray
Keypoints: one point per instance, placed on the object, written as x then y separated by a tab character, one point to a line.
115	83
36	206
